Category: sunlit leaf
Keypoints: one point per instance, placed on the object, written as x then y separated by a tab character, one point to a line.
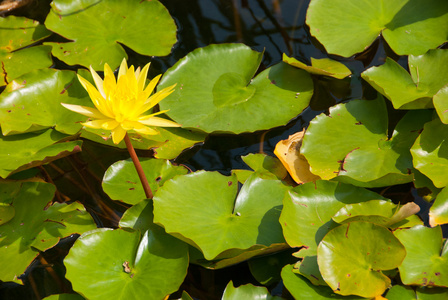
308	209
121	181
356	140
126	264
438	214
215	90
441	103
23	151
247	291
288	152
233	222
426	261
266	166
415	90
399	292
346	27
353	268
116	22
37	227
33	101
322	66
430	152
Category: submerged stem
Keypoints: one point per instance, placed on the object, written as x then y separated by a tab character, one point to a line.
138	167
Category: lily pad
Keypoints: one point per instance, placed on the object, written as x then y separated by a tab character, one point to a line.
116	22
380	212
399	292
266	166
309	269
33	101
430	152
247	291
353	268
215	90
126	264
139	216
121	181
348	27
266	269
7	212
322	66
308	209
415	90
221	222
301	288
356	140
438	213
441	104
37	227
426	262
17	33
64	297
24	151
288	152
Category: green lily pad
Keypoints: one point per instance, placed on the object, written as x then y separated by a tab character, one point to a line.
266	269
17	33
441	104
430	152
215	90
247	291
126	264
380	212
116	22
399	292
221	222
266	166
308	209
415	90
36	227
426	261
301	288
139	216
7	212
438	213
348	27
121	181
309	269
24	151
356	140
64	297
322	66
353	268
33	101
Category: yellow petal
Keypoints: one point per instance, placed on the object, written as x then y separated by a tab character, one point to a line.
123	68
160	122
109	83
151	86
84	110
146	130
98	82
98	124
96	97
110	124
160	95
141	79
118	134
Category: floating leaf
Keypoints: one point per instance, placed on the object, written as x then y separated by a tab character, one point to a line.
309	269
301	288
415	90
121	181
33	101
308	209
247	291
356	140
119	262
215	90
438	214
24	151
36	227
348	27
426	259
430	152
399	292
441	103
7	212
353	268
116	22
266	166
266	269
64	297
288	152
208	198
17	33
380	212
322	66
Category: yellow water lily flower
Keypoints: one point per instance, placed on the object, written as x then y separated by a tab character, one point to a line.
121	104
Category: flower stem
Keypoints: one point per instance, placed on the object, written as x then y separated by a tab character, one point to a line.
138	167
